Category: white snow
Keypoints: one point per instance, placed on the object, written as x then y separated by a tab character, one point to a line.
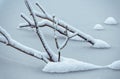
101	44
115	65
110	20
69	65
98	27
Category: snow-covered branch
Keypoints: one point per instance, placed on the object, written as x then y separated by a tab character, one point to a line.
61	23
58	46
47	20
35	24
5	37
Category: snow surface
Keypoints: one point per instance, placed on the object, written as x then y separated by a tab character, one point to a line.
69	65
29	67
101	44
110	20
98	27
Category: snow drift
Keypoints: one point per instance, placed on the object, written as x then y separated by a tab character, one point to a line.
69	65
115	65
101	44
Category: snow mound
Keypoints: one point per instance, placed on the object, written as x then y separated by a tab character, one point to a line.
110	20
101	44
98	27
69	65
115	65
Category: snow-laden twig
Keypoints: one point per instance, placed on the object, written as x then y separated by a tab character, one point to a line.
52	56
60	47
61	23
41	8
27	50
48	20
29	22
5	35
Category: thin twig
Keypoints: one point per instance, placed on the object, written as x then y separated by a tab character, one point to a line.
31	12
39	33
17	45
25	18
41	8
63	25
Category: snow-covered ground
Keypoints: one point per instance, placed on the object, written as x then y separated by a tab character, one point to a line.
83	15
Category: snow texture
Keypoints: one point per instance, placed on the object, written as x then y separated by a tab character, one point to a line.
98	27
101	44
115	65
110	20
69	65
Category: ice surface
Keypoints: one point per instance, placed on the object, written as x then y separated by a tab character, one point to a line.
110	20
69	65
101	44
98	27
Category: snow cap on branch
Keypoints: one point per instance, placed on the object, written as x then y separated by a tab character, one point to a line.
5	35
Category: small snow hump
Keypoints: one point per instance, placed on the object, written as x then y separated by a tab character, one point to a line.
111	20
98	27
115	65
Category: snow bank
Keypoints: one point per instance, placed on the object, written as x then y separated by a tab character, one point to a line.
69	65
110	20
98	27
101	44
115	65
